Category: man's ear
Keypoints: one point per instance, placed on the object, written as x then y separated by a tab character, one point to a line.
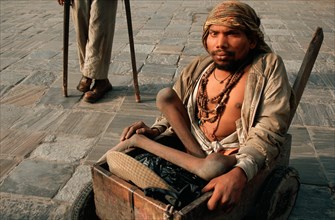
253	44
253	41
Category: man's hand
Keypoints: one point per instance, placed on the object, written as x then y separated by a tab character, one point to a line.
227	189
61	2
138	128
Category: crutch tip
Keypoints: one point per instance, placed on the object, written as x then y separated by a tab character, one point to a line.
65	93
137	98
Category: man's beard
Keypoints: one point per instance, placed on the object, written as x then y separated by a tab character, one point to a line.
232	65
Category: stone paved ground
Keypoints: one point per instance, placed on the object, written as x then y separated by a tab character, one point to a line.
48	142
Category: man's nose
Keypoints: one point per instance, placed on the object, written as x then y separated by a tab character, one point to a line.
222	42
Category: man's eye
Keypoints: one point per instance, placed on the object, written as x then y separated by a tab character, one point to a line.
234	33
213	34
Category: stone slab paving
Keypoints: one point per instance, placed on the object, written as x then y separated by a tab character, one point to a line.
49	142
23	95
37	178
27	207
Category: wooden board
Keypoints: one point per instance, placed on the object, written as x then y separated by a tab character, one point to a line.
117	199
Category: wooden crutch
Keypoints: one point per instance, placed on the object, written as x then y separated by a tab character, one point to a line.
67	4
306	68
132	50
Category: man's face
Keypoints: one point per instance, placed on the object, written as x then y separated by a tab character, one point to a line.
228	47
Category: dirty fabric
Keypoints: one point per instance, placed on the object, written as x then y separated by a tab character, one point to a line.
187	185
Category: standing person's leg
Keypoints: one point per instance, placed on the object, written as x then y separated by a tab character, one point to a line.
80	18
173	109
99	47
100	38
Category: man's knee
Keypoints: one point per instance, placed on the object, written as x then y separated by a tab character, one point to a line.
165	96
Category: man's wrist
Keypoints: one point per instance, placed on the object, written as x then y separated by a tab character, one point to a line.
247	164
241	174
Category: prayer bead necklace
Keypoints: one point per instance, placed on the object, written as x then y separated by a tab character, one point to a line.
220	100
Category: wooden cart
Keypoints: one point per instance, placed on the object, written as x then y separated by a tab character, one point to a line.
117	199
271	194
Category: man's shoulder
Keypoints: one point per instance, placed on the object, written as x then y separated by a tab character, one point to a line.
267	60
272	57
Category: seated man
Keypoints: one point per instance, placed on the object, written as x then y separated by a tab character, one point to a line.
230	109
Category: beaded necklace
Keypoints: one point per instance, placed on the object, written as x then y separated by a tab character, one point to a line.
220	81
220	100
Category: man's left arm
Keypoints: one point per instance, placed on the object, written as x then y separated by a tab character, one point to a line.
267	130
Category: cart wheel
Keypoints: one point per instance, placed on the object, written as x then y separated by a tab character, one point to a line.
83	207
279	195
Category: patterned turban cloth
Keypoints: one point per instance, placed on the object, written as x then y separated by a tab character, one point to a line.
237	15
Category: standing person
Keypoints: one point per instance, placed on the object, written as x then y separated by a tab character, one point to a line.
94	22
230	108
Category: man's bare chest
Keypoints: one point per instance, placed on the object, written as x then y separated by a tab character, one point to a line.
219	112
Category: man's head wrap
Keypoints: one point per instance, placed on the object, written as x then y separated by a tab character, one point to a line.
237	15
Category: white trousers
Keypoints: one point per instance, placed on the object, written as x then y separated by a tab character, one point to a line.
94	22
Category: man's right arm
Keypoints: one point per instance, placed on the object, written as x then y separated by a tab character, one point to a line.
183	86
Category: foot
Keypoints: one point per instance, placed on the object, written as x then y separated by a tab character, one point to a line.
134	141
84	84
100	88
